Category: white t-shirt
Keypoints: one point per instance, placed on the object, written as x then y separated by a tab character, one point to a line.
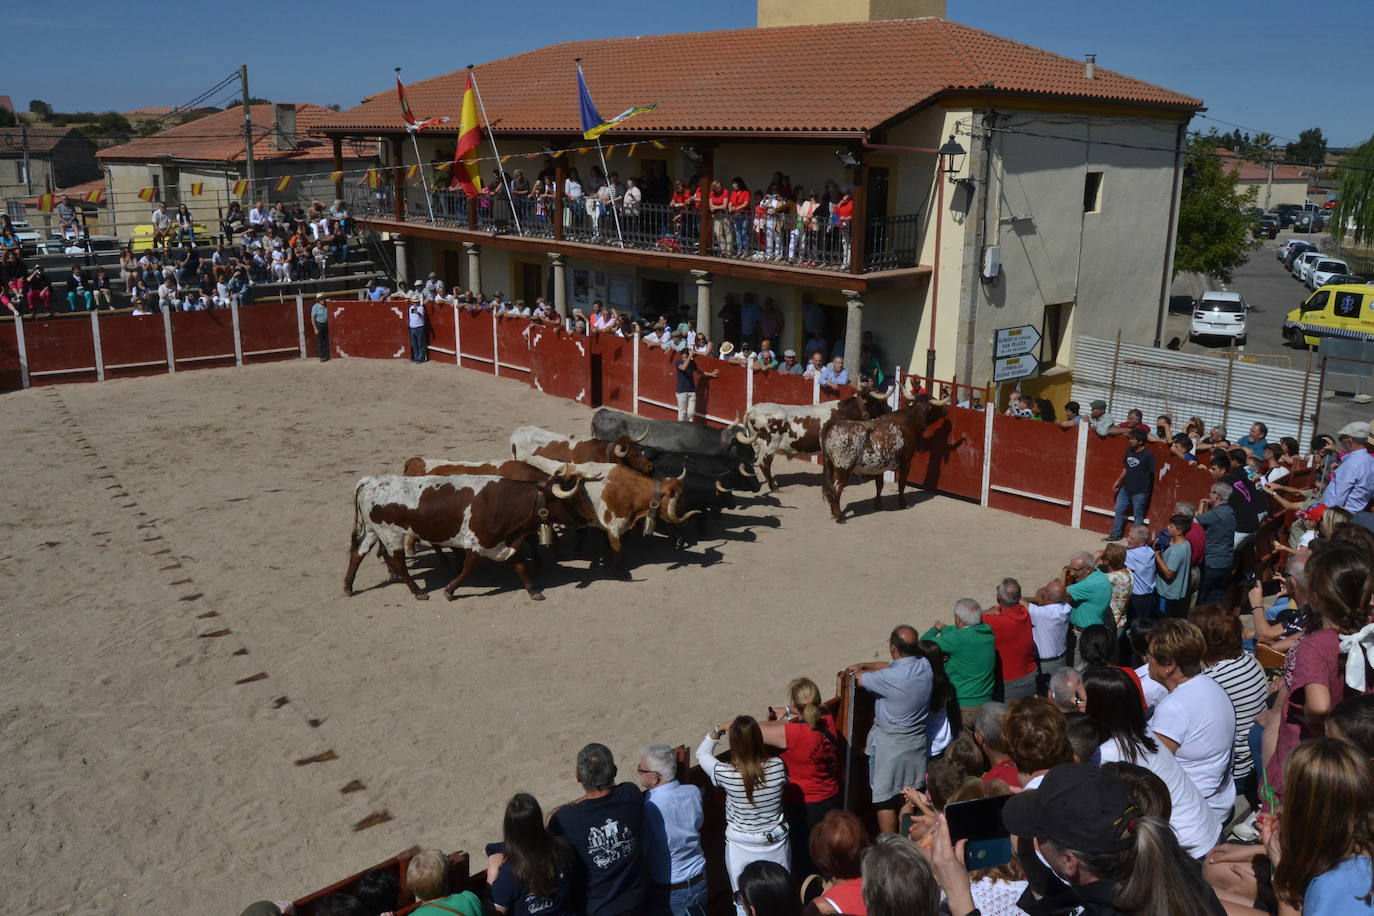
417	320
1199	717
1195	824
1155	692
938	732
1050	628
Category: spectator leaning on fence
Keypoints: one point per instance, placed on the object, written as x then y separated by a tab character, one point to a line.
1010	622
1352	482
972	656
673	858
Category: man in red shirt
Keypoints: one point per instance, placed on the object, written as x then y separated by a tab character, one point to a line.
741	203
844	214
1011	631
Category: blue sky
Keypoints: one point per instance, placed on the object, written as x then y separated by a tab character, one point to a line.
1239	57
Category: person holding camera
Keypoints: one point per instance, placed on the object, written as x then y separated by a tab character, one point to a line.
419	331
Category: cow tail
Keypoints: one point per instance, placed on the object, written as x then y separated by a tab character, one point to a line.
357	536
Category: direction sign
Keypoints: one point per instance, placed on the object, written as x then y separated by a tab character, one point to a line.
1015	341
1011	368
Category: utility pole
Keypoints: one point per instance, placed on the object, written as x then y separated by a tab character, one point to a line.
24	142
247	128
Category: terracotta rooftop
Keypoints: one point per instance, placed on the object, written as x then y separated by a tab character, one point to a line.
219	138
843	78
1247	170
41	139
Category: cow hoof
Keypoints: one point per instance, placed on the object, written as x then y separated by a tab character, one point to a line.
348	592
536	596
450	595
839	520
422	597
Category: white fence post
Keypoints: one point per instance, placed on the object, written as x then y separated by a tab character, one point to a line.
495	347
167	333
238	340
300	323
988	413
749	385
815	388
95	342
23	351
457	336
1080	466
634	378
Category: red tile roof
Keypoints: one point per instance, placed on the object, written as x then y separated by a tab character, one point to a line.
219	138
40	139
841	77
1247	170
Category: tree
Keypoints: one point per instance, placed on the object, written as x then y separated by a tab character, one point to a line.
1213	227
7	118
1311	147
40	108
1261	148
1354	216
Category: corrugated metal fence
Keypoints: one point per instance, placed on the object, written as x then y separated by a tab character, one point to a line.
1231	393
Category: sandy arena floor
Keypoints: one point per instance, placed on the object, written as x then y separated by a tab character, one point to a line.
169	538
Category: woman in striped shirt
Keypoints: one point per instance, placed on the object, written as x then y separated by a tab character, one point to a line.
755	829
1242	677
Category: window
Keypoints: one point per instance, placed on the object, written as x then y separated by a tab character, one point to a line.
1055	332
1092	193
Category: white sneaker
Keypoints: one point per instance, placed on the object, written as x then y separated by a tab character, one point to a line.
1246	831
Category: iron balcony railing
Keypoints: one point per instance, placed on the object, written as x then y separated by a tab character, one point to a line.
783	237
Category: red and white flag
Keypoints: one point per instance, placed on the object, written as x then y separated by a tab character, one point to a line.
409	116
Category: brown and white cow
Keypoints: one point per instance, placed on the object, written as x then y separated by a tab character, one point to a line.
447	467
526	441
489	517
870	447
795	429
622	497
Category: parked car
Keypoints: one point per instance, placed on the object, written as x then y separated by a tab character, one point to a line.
1268	226
1347	280
1309	221
1287	213
1219	314
1323	269
1339	311
1302	264
1282	251
1296	249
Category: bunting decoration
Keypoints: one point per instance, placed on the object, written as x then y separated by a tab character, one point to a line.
284	182
95	197
197	188
593	125
147	195
412	124
336	176
659	144
240	187
373	178
412	171
467	174
631	153
45	203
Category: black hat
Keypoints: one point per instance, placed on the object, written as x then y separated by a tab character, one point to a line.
1080	807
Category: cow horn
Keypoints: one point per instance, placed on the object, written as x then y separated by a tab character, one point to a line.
621	451
643	434
906	389
564	494
683	475
877	395
943	402
742	439
746	471
720	488
648	525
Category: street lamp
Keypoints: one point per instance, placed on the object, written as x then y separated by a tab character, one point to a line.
953	156
848	159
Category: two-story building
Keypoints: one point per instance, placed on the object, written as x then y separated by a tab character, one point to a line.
36	160
210	154
993	185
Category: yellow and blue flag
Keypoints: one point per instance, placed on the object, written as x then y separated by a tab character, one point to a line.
593	125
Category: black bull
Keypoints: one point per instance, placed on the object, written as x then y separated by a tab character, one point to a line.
671	435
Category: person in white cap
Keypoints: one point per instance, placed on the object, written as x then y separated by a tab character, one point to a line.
1352	482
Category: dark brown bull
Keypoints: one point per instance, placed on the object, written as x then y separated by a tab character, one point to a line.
795	429
870	447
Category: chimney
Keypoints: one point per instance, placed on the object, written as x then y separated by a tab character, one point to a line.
1090	66
284	127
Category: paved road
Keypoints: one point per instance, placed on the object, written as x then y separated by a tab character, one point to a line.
1271	292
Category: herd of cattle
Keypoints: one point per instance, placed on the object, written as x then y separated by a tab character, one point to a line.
631	471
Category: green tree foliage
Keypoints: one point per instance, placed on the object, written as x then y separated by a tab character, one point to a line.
1354	217
1213	227
7	118
1311	147
40	108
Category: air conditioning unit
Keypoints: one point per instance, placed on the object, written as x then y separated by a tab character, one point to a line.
992	262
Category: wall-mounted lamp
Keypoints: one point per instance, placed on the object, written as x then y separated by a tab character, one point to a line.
848	159
692	153
952	155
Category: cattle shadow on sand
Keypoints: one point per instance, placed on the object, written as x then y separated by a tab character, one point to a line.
858	508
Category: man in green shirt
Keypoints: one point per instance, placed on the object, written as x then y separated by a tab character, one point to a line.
1090	595
1172	566
972	657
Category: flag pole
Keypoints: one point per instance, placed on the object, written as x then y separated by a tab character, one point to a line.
424	179
605	169
491	138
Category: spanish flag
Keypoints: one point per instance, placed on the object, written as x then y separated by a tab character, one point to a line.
467	174
284	182
593	125
45	203
240	187
336	176
197	188
412	171
95	197
373	178
148	194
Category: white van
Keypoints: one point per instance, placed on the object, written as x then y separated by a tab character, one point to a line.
1219	314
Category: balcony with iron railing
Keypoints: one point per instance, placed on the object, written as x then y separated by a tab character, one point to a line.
784	238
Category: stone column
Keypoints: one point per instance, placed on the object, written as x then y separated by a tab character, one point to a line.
560	284
853	332
703	302
402	265
474	266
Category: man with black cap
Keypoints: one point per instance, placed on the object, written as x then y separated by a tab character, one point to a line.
1108	858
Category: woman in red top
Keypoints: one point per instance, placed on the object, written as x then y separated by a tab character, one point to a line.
720	219
679	204
806	734
741	202
837	847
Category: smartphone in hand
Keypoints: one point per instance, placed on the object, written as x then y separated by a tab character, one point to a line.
980	822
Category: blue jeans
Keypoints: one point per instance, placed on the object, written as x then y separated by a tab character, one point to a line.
742	227
687	901
1132	503
418	351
